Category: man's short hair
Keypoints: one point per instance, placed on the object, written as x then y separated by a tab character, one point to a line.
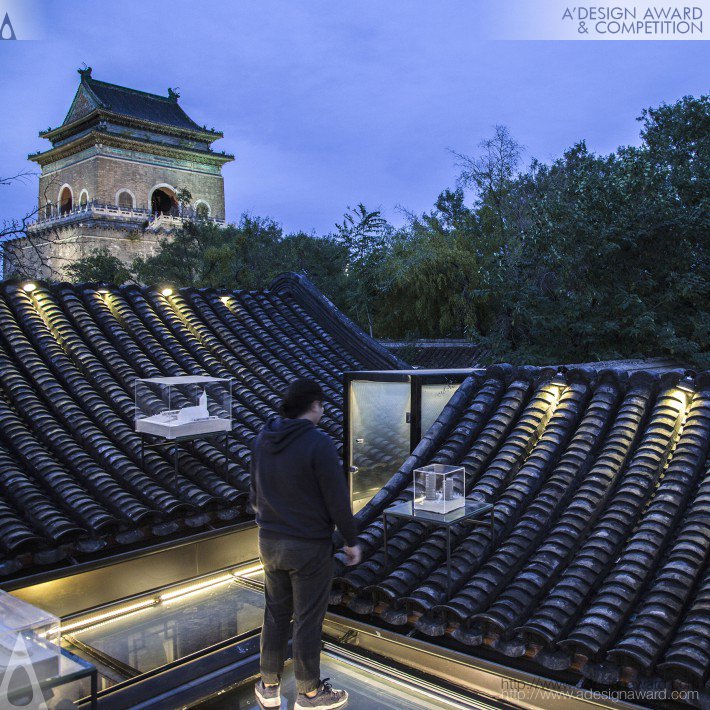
299	397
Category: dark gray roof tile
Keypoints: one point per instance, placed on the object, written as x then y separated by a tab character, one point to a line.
71	476
598	548
140	104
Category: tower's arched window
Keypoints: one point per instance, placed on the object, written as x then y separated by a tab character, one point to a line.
202	209
48	210
66	200
164	201
84	198
125	200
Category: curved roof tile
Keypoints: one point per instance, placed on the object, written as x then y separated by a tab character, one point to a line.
596	562
72	475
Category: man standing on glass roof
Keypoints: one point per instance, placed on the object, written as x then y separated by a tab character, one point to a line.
299	494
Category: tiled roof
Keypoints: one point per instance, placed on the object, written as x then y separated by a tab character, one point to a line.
439	354
598	563
71	480
140	104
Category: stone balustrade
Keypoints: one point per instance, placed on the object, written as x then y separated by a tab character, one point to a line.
94	210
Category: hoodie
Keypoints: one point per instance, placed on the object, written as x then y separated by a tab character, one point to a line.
298	488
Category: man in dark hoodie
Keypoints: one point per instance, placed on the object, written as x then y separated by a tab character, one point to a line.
298	493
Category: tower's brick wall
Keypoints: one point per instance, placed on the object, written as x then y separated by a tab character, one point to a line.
103	176
48	256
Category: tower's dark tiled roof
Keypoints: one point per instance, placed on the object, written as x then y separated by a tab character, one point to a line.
140	104
598	563
71	480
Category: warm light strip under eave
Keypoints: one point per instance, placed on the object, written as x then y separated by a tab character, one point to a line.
123	611
192	589
404	681
108	615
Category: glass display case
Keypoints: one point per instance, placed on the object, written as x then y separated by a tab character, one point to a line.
387	413
183	407
28	637
439	488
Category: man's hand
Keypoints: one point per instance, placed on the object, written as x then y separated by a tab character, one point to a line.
353	554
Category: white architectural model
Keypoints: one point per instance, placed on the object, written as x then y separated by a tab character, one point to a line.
194	414
190	420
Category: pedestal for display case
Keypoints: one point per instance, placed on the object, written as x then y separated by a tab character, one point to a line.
471	513
156	442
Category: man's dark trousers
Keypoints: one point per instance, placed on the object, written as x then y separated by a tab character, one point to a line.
298	578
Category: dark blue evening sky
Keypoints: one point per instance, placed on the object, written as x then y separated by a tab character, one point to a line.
327	104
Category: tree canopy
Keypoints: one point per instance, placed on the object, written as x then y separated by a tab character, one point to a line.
587	257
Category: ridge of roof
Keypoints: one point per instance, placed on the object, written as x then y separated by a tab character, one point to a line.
300	286
133	103
91	81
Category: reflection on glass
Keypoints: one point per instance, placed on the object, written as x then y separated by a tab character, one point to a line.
379	435
366	690
434	399
132	637
179	625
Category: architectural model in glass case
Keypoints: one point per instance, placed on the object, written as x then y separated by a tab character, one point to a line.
439	488
185	406
28	635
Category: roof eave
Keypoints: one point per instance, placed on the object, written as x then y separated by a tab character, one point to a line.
59	132
94	137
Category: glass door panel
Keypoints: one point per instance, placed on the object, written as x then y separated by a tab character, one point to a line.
434	399
379	435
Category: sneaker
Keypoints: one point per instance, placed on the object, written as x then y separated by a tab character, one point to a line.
269	697
326	697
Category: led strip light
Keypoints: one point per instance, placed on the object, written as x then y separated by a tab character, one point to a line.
175	594
404	681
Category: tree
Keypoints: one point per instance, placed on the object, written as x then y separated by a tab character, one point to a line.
431	283
491	174
322	259
203	253
362	232
617	248
24	252
99	266
247	255
184	198
365	235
